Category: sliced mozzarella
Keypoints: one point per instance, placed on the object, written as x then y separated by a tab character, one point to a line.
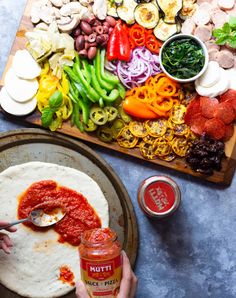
219	88
24	65
232	78
19	89
16	108
211	76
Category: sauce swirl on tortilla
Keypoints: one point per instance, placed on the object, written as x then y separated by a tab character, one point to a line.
47	194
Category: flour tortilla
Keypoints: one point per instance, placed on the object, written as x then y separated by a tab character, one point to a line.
32	269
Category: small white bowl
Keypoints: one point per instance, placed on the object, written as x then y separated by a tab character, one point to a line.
180	36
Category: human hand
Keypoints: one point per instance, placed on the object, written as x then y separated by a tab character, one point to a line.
127	287
5	241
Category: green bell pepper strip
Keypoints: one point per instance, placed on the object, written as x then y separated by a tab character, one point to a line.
76	117
77	76
108	77
85	110
97	64
109	98
81	91
90	91
121	90
86	71
73	92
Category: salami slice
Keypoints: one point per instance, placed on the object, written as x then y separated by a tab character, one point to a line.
228	95
229	131
192	109
225	112
198	124
208	106
215	128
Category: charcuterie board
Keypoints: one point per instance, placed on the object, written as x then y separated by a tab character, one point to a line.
228	164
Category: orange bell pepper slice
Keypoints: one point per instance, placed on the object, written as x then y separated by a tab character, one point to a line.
136	108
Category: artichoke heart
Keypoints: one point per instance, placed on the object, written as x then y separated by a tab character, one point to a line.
170	8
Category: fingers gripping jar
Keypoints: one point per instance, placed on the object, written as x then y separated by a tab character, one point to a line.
101	262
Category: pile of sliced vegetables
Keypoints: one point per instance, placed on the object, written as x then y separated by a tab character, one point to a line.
107	80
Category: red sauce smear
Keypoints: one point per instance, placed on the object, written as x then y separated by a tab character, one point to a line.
66	275
80	216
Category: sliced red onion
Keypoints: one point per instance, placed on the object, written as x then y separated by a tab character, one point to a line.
142	65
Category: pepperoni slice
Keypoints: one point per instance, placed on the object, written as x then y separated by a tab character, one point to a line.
208	106
215	128
229	131
192	109
197	124
225	112
228	95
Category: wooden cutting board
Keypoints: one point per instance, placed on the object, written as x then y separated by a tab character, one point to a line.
228	165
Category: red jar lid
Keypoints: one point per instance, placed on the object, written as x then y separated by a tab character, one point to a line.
159	196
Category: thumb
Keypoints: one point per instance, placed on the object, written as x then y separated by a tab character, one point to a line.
81	291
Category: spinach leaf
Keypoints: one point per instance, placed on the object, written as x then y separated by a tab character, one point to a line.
183	58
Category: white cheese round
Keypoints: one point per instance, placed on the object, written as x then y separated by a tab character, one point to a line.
19	89
24	65
16	108
219	88
211	76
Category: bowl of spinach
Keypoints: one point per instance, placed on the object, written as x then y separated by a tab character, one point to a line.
184	58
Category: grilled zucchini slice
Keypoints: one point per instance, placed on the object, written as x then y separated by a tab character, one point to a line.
126	11
170	8
163	30
146	15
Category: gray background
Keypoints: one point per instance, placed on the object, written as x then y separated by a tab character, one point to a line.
193	254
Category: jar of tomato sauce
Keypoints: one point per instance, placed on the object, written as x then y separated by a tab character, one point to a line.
101	262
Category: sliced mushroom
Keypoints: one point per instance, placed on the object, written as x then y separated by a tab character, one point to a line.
85	3
42	26
57	13
57	3
67	24
71	8
46	14
100	9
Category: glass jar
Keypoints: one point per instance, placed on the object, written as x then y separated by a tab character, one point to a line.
101	262
159	196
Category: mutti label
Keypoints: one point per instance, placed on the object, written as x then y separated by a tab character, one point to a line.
100	271
159	197
102	278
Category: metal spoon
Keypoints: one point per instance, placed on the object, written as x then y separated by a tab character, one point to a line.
40	219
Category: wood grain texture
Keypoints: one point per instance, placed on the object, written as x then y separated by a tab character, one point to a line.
228	165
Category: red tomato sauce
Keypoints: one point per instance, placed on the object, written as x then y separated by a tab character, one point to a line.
66	275
47	194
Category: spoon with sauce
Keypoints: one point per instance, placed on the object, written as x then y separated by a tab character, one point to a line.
40	219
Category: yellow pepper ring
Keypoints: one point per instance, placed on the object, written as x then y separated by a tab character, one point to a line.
138	129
